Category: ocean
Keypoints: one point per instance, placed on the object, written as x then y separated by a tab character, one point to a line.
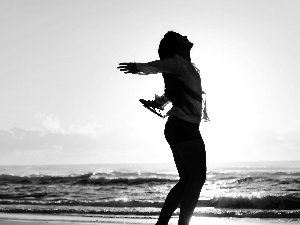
245	189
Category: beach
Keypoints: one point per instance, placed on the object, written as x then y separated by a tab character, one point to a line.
26	219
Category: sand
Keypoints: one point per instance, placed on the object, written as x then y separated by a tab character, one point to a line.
37	219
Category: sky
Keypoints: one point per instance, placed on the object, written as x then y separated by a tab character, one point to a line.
63	100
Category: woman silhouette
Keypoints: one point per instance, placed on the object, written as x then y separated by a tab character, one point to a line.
183	89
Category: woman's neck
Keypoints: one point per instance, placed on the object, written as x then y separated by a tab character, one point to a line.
186	55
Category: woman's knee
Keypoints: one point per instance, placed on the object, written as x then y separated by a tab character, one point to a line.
198	178
202	175
183	181
202	179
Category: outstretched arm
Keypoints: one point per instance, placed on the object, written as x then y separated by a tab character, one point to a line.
170	65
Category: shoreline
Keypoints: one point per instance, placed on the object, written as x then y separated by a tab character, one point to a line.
43	219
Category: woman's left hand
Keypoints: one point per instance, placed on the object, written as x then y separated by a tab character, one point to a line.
128	68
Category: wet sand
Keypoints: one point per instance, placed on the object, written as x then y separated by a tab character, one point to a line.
42	219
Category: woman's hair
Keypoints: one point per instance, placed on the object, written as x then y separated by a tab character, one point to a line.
168	46
175	89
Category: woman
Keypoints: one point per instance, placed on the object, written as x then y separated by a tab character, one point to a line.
183	89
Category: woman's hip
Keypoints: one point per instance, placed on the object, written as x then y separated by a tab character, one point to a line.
178	130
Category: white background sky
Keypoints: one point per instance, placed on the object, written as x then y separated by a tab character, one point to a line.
64	101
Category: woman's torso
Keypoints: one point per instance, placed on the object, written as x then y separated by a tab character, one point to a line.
189	75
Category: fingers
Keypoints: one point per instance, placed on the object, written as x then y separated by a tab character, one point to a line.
125	67
125	70
123	64
122	68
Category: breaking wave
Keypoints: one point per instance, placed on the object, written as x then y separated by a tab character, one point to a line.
287	202
85	179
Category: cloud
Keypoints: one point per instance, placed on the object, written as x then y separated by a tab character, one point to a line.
93	130
275	145
49	122
53	125
73	144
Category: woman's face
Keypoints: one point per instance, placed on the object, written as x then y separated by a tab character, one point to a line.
184	42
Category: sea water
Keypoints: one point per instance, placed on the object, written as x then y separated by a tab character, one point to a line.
250	190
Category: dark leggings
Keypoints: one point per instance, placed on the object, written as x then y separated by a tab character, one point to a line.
189	155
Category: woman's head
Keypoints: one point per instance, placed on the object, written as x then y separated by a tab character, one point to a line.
174	43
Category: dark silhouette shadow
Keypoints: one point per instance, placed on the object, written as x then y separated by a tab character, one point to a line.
182	88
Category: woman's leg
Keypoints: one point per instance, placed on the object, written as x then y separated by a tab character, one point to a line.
173	198
193	156
190	160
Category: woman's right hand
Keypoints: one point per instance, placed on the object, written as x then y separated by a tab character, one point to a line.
128	68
